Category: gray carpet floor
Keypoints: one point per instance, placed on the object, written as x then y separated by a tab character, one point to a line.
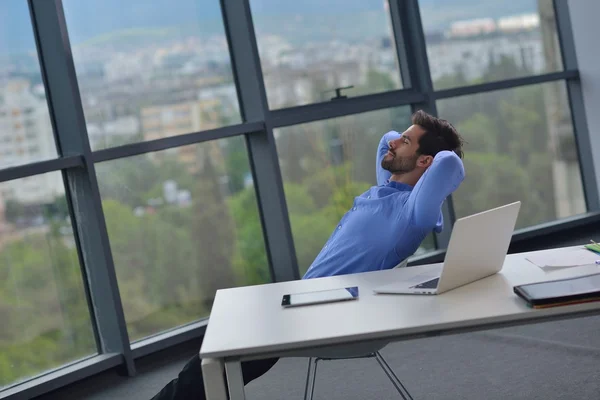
556	360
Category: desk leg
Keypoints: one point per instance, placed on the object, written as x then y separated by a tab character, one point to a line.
235	380
214	384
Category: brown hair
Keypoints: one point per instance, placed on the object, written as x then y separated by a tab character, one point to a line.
439	135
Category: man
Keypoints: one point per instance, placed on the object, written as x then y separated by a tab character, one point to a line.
416	171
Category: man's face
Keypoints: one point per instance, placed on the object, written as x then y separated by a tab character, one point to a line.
402	156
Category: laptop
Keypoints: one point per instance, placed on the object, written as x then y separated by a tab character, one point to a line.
477	249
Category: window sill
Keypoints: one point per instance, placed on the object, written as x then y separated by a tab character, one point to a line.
63	376
169	338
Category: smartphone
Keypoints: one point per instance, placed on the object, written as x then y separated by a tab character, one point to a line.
318	297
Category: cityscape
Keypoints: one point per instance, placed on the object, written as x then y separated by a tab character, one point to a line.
177	86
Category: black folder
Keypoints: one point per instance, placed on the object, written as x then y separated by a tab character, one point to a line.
559	292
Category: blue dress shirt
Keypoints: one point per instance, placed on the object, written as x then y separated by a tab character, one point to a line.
388	222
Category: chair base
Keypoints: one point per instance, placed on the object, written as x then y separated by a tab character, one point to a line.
309	389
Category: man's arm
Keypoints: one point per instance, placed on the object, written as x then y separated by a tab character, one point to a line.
383	175
442	178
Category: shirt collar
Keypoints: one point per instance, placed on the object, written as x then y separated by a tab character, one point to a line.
399	186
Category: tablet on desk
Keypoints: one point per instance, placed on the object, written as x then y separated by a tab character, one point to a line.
319	297
580	289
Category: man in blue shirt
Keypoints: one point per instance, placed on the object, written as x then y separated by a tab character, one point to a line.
416	171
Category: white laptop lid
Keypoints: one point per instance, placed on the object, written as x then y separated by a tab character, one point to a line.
478	246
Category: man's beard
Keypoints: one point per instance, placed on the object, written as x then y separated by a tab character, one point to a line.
400	165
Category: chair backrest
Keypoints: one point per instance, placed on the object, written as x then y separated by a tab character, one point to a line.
403	263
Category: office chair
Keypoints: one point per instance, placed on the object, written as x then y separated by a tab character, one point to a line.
362	351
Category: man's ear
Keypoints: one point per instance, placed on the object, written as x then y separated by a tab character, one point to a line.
425	161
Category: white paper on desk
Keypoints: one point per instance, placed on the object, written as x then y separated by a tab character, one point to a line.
561	258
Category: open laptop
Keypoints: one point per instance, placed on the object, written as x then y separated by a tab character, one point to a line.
477	249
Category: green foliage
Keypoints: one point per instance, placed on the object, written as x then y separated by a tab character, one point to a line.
250	260
310	233
481	133
508	156
236	156
495	180
45	315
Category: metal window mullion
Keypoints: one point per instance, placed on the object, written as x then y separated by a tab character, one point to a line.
575	96
66	110
419	66
400	40
262	151
505	84
340	108
40	167
134	149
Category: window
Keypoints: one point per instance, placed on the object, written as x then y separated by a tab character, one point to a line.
325	165
324	45
521	146
181	225
491	41
43	308
21	88
164	55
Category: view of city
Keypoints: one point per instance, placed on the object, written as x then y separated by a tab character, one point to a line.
184	222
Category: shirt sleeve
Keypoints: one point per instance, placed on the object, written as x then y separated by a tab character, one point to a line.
384	175
441	179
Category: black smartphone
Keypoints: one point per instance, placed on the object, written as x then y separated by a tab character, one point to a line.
319	297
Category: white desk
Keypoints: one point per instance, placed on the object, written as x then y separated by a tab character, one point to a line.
249	323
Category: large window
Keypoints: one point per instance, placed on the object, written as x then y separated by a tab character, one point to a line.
309	48
204	186
43	308
325	165
489	40
182	223
151	70
520	146
25	128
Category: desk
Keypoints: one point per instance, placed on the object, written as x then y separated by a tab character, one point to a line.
249	323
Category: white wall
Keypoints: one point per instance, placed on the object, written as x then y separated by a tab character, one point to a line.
586	31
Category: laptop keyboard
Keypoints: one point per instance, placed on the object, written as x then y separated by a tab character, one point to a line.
431	284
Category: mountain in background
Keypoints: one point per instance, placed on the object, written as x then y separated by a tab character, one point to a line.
90	19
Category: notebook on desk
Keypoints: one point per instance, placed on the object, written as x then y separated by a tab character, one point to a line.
561	258
559	292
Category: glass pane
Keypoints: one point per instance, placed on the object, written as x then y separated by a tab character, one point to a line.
149	70
323	45
470	42
182	223
325	165
25	129
521	146
43	307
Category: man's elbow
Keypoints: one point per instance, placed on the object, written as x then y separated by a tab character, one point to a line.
426	220
449	161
